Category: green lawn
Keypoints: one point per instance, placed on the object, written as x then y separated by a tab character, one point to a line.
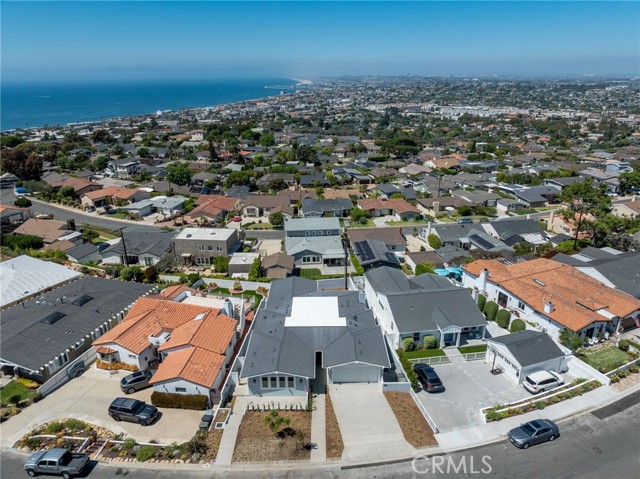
473	349
310	273
408	223
259	226
15	388
357	224
524	212
424	353
606	359
120	216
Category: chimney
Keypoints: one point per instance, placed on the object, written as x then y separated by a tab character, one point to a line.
362	297
484	276
549	307
228	308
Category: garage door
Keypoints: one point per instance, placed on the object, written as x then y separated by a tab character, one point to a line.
360	373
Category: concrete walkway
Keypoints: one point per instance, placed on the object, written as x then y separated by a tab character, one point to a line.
228	442
370	431
318	430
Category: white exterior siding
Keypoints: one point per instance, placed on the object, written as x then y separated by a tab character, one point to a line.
180	386
513	370
141	360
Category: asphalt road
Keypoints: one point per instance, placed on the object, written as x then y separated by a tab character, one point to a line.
597	445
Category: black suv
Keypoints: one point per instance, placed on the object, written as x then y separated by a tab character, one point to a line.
428	378
132	410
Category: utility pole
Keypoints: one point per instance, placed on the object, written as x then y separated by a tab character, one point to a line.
124	247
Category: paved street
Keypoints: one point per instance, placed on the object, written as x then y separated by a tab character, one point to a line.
595	445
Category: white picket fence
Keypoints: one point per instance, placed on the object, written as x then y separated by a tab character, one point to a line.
457	358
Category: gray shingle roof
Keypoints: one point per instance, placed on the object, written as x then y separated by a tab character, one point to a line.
30	343
154	243
530	347
275	347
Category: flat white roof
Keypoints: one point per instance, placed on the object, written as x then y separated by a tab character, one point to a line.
206	233
243	258
25	276
314	311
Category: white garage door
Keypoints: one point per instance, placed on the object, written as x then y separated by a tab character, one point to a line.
360	373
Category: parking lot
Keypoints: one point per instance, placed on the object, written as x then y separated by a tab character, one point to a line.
88	398
469	386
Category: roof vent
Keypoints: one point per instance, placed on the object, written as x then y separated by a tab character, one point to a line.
537	281
51	318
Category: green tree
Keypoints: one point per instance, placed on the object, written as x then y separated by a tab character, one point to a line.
629	181
132	273
89	235
67	191
465	210
151	274
25	164
434	241
358	215
179	173
276	219
221	264
11	141
425	268
275	421
100	163
22	202
278	185
267	140
254	272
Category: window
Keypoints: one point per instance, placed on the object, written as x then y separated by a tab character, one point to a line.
148	262
200	247
265	382
290	382
181	390
416	336
283	382
132	356
219	248
520	305
274	381
210	247
502	299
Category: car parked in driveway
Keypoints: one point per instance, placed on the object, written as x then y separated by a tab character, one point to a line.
132	410
542	381
428	378
533	432
135	381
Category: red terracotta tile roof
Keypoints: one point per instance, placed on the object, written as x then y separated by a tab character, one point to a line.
398	205
196	365
576	296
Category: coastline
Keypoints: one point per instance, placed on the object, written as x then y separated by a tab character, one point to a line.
51	106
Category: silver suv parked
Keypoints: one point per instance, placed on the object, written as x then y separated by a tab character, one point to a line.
135	381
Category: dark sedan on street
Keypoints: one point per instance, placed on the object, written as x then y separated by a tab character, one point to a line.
533	432
428	378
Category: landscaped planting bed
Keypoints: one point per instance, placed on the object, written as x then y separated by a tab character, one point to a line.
17	395
424	353
415	428
606	359
128	450
473	349
214	436
58	434
256	442
500	412
335	445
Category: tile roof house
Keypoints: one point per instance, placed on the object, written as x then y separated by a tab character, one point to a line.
212	208
10	215
263	205
113	195
391	236
553	295
304	335
419	306
80	186
193	342
398	207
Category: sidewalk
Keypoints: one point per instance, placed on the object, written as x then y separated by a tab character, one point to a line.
318	430
495	431
228	442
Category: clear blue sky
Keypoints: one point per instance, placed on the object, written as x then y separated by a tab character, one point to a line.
190	39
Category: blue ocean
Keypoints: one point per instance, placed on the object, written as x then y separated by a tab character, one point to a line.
57	103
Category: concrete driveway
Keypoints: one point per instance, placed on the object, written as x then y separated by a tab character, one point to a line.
469	386
88	398
369	428
269	246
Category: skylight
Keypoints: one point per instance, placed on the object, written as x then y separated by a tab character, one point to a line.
537	281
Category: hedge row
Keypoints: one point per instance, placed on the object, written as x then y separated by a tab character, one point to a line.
179	401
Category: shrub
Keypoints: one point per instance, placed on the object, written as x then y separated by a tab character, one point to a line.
482	300
493	415
28	383
129	443
151	274
116	366
22	202
425	268
517	325
434	241
429	342
490	310
412	376
408	344
145	453
624	345
633	369
74	424
54	427
179	401
570	340
503	317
